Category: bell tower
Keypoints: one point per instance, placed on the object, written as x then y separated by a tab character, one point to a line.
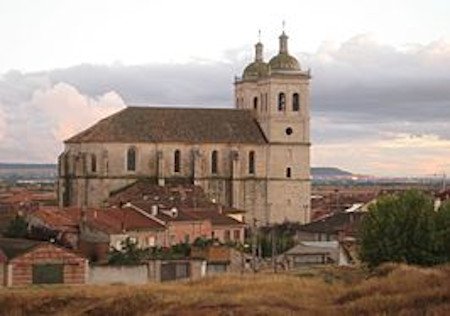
278	94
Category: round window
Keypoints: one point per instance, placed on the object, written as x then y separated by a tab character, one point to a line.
289	131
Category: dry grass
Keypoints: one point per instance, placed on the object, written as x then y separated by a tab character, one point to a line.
392	290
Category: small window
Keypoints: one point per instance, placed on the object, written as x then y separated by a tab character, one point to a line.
255	103
288	172
93	163
237	235
281	101
251	162
289	131
177	161
295	102
214	162
131	159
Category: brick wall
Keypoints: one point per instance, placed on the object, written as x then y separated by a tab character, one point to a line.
22	266
178	231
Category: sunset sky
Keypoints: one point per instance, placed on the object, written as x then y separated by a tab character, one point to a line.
380	87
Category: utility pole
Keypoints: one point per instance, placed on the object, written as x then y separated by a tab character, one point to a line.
254	241
274	248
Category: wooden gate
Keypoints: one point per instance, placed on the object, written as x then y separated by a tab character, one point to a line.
48	273
175	270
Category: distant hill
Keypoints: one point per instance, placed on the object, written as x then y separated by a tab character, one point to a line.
16	172
47	171
26	166
329	172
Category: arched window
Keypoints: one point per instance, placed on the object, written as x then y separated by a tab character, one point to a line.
251	162
214	161
281	101
288	172
295	102
93	163
255	103
177	161
131	159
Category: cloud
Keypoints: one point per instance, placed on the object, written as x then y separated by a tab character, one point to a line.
3	126
70	112
38	120
368	99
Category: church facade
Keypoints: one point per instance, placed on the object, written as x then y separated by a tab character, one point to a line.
254	157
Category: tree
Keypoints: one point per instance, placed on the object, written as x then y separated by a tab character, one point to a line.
17	228
443	232
400	228
130	254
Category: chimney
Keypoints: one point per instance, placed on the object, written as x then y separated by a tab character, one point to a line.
154	209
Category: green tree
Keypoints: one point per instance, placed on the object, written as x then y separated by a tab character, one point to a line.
400	228
17	228
443	232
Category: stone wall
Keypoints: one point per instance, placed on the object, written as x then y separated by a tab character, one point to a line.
118	274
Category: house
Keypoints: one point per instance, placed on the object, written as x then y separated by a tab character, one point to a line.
185	210
25	262
316	252
221	259
103	229
334	226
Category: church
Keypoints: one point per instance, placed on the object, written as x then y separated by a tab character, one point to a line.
254	157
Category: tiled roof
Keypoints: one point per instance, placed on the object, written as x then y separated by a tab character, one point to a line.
187	125
334	223
115	220
186	195
57	219
216	218
191	202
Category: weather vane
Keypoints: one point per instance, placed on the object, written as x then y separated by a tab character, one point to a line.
259	35
284	25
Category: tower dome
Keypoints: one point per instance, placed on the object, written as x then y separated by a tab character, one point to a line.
284	61
258	68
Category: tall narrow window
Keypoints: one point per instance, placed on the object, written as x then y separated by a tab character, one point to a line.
251	162
295	102
214	161
131	159
281	101
177	161
255	103
93	163
288	172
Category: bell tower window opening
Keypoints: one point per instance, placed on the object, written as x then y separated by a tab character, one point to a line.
281	101
177	161
214	162
131	159
295	102
251	162
255	103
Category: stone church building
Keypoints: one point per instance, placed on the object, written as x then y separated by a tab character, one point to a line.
254	157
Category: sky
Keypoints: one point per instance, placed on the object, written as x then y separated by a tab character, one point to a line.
380	100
